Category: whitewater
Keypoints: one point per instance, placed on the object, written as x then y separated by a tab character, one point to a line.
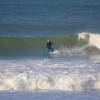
49	74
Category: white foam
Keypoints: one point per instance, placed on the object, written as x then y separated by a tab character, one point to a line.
93	38
69	51
26	82
55	52
83	35
48	74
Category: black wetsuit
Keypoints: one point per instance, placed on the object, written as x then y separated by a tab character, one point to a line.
50	46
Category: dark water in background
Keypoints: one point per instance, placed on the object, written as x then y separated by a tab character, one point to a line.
26	18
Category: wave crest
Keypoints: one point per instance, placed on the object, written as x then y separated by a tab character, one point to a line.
93	38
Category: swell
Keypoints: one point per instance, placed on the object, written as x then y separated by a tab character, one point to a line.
12	46
80	44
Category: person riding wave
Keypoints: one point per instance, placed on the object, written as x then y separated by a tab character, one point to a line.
50	46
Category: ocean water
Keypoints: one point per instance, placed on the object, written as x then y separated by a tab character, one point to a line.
28	71
27	18
71	72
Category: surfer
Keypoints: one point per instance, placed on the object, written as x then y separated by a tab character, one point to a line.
50	46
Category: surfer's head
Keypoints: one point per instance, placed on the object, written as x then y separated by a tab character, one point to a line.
48	40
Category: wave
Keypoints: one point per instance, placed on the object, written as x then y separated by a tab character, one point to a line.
92	38
20	46
32	82
80	44
88	44
77	51
49	74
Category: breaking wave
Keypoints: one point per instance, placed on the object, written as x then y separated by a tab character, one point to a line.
80	44
48	74
88	44
77	51
30	82
92	38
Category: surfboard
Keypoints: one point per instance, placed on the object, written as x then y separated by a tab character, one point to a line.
55	52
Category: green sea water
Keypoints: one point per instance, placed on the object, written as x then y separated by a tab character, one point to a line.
36	45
